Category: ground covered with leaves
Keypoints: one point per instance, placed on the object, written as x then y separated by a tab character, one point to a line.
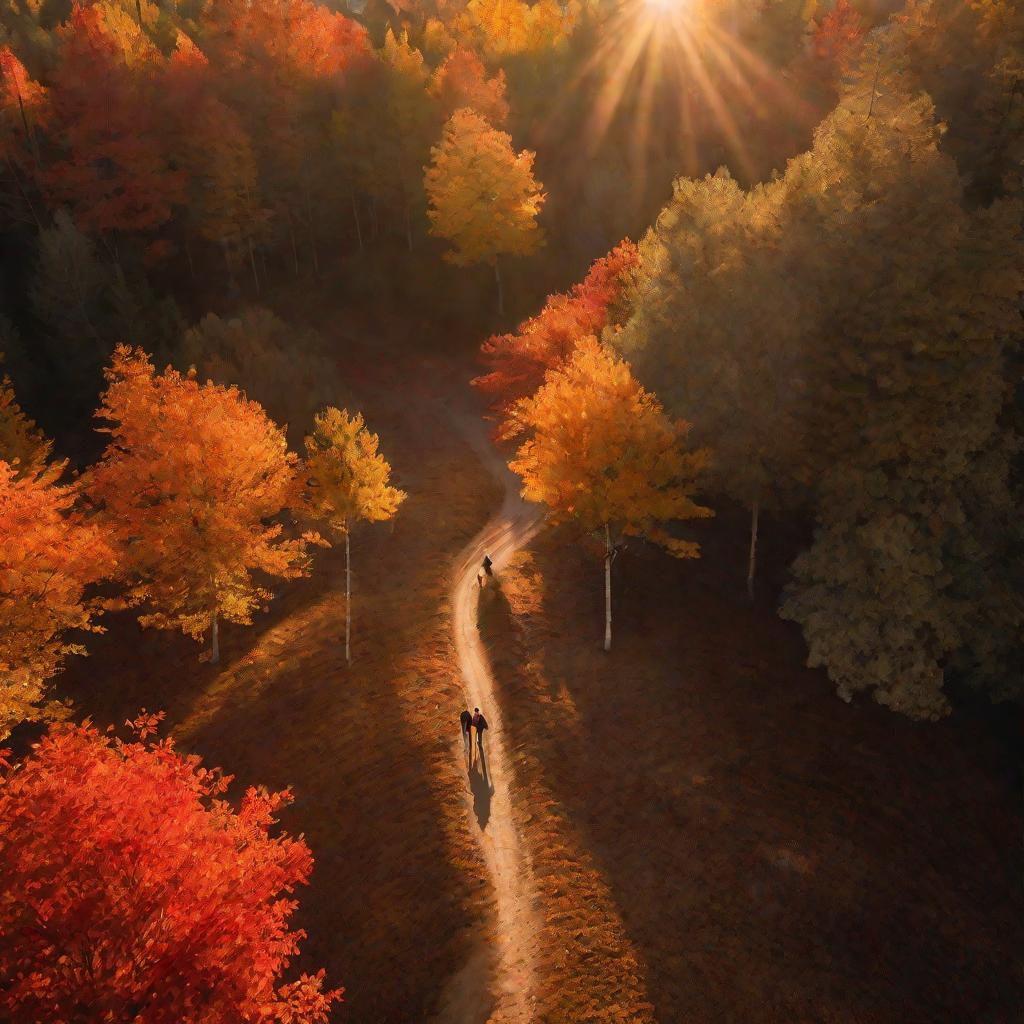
398	895
716	837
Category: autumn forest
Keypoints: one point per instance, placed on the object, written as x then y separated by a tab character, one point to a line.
641	378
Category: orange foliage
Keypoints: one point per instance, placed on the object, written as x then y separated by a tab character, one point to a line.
192	478
49	556
23	110
461	81
116	173
133	890
22	444
288	40
517	362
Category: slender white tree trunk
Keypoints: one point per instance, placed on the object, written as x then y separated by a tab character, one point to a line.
501	292
607	588
348	598
214	639
752	563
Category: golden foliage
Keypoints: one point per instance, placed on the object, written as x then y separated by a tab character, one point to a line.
348	476
483	196
602	451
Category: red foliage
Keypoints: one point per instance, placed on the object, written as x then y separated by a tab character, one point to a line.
518	362
461	81
131	891
116	173
840	36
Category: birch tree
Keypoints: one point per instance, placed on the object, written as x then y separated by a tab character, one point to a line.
601	452
348	483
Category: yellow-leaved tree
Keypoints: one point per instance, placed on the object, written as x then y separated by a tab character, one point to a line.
482	194
601	452
348	483
191	485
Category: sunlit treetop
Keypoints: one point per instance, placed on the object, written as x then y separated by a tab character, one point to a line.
483	196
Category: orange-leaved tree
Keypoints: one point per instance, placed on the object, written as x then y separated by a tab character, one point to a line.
483	196
461	81
133	891
348	483
601	452
50	555
22	444
191	484
517	362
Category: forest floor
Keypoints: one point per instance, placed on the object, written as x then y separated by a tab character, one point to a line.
399	898
692	828
715	836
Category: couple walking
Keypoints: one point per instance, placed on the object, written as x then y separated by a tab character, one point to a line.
469	722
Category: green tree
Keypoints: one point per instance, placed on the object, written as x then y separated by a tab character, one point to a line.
716	328
917	305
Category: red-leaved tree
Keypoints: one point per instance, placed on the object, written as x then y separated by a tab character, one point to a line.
115	172
517	362
130	890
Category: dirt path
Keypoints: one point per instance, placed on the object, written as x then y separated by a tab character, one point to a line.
496	984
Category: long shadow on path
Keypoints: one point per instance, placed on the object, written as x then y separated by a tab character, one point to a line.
482	788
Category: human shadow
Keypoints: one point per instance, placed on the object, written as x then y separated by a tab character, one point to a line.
480	784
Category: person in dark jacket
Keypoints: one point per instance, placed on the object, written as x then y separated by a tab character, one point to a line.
479	723
466	721
487	563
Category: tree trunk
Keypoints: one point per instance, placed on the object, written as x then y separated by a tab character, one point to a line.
408	228
214	639
373	218
501	293
230	266
607	588
295	248
252	262
24	194
29	132
312	232
355	217
191	265
752	563
348	598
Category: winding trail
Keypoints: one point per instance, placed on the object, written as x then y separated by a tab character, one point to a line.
496	984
